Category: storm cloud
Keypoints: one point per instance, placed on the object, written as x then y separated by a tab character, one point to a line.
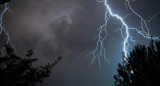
68	28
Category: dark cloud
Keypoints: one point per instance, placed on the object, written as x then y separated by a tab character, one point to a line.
67	28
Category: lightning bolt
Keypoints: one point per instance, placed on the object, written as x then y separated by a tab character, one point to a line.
6	7
1	20
100	51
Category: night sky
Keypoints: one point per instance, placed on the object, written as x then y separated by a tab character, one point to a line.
68	28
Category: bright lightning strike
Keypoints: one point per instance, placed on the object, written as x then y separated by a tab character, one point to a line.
100	51
6	7
1	20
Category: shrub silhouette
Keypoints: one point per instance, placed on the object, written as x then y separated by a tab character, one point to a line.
19	71
142	68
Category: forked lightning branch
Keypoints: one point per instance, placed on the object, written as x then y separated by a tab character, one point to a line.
100	50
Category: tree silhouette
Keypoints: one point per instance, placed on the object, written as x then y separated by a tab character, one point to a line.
19	71
142	68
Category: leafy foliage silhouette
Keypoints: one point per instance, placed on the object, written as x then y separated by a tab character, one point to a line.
19	71
142	68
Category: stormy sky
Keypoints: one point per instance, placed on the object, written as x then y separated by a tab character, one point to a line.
68	28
